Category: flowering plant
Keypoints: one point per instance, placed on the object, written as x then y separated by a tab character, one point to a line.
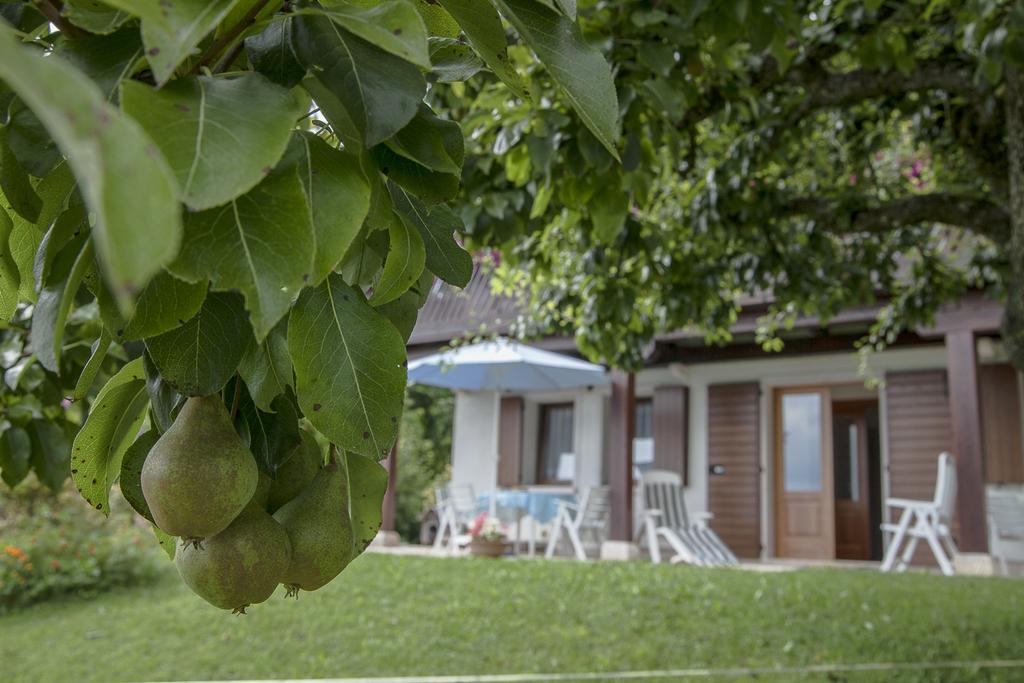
486	528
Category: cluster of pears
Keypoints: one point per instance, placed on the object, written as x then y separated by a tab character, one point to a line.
242	532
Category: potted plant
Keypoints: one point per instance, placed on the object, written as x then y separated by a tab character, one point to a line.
487	539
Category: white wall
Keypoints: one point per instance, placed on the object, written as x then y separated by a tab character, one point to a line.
475	439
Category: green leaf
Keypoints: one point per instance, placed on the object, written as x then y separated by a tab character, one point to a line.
402	313
9	277
165	540
272	53
266	367
338	196
14	183
453	61
30	142
92	366
164	401
103	148
130	476
406	257
368	482
437	226
111	426
378	91
430	186
349	367
608	211
198	358
272	435
164	304
579	69
50	453
261	244
15	455
93	16
50	314
172	30
393	25
107	60
431	141
221	136
483	28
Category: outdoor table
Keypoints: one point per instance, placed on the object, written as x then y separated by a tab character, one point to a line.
541	506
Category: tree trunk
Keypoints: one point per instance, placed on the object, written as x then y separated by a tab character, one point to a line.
1013	318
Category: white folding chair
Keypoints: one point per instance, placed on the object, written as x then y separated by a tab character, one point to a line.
589	515
456	509
1006	526
930	520
664	516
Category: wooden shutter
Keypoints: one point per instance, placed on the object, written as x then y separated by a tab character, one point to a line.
670	430
734	495
1001	429
510	441
917	412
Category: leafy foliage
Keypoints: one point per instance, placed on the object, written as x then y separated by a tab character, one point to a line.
239	197
827	153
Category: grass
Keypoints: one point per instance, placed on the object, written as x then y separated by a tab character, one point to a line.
391	615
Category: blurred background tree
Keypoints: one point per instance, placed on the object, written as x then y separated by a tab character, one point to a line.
425	454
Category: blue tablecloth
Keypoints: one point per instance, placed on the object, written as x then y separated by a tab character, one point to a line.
513	503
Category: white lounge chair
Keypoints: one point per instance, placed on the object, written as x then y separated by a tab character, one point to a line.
664	516
456	509
589	515
930	520
1006	526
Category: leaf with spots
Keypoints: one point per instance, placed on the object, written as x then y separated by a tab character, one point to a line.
261	244
367	482
349	367
94	17
171	30
404	263
437	226
110	428
130	481
137	224
198	358
221	136
166	541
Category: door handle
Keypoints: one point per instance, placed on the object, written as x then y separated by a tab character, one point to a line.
717	470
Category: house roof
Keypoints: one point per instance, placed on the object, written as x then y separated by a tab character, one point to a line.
451	313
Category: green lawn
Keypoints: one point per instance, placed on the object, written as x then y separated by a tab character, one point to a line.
409	615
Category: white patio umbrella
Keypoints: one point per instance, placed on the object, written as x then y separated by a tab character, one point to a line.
504	365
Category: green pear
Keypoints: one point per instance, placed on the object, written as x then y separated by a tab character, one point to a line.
297	471
199	475
319	525
240	566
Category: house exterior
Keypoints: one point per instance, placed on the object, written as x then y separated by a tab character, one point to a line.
793	452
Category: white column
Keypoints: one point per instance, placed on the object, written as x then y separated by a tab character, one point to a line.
474	440
589	439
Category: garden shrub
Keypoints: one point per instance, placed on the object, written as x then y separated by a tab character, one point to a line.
51	546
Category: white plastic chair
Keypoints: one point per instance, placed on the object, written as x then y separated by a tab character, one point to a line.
1006	526
930	520
664	516
456	509
590	514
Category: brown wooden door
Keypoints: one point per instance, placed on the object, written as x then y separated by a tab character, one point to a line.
734	461
850	472
804	501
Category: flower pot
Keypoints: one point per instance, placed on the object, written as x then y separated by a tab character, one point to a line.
481	548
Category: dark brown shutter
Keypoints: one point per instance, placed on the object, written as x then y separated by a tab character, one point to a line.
670	430
510	441
1000	415
917	407
734	493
